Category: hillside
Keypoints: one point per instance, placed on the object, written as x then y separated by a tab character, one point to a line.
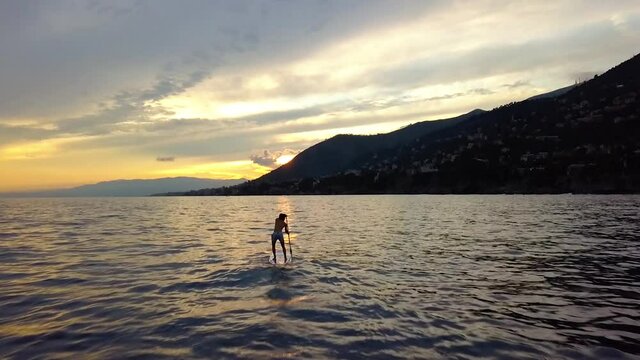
584	140
344	152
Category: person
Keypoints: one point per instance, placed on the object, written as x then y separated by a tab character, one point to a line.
278	235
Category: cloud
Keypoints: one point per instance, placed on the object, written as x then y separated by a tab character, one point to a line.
131	106
82	52
265	159
14	133
517	84
539	54
269	159
165	159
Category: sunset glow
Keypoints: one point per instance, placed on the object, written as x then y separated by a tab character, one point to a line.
219	97
283	159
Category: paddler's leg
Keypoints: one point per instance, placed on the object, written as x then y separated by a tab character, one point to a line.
284	250
273	247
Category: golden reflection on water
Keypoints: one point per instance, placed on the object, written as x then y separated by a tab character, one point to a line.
292	301
27	329
285	205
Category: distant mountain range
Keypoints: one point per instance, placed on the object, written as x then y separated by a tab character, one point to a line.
580	139
139	187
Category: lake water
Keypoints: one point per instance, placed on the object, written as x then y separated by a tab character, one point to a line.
373	277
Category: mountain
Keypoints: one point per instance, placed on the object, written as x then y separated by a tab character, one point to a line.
344	152
142	187
581	139
554	93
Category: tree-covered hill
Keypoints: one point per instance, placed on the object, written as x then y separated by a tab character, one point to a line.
344	152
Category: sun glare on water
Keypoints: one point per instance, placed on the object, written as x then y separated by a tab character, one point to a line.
283	159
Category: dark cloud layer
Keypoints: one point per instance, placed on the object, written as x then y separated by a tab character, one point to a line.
60	55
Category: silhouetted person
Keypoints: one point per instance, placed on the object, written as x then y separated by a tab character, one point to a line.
278	235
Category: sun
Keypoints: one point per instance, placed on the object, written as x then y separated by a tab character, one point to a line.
283	159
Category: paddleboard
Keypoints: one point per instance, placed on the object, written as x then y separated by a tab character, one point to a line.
280	262
279	256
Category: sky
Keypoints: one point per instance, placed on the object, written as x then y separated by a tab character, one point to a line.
101	90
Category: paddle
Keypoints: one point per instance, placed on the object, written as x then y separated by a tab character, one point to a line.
290	249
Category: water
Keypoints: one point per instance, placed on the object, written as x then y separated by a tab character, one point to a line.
382	277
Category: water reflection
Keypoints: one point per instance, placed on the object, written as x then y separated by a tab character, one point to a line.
375	277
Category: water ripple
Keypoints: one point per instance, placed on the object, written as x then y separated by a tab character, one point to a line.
384	277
